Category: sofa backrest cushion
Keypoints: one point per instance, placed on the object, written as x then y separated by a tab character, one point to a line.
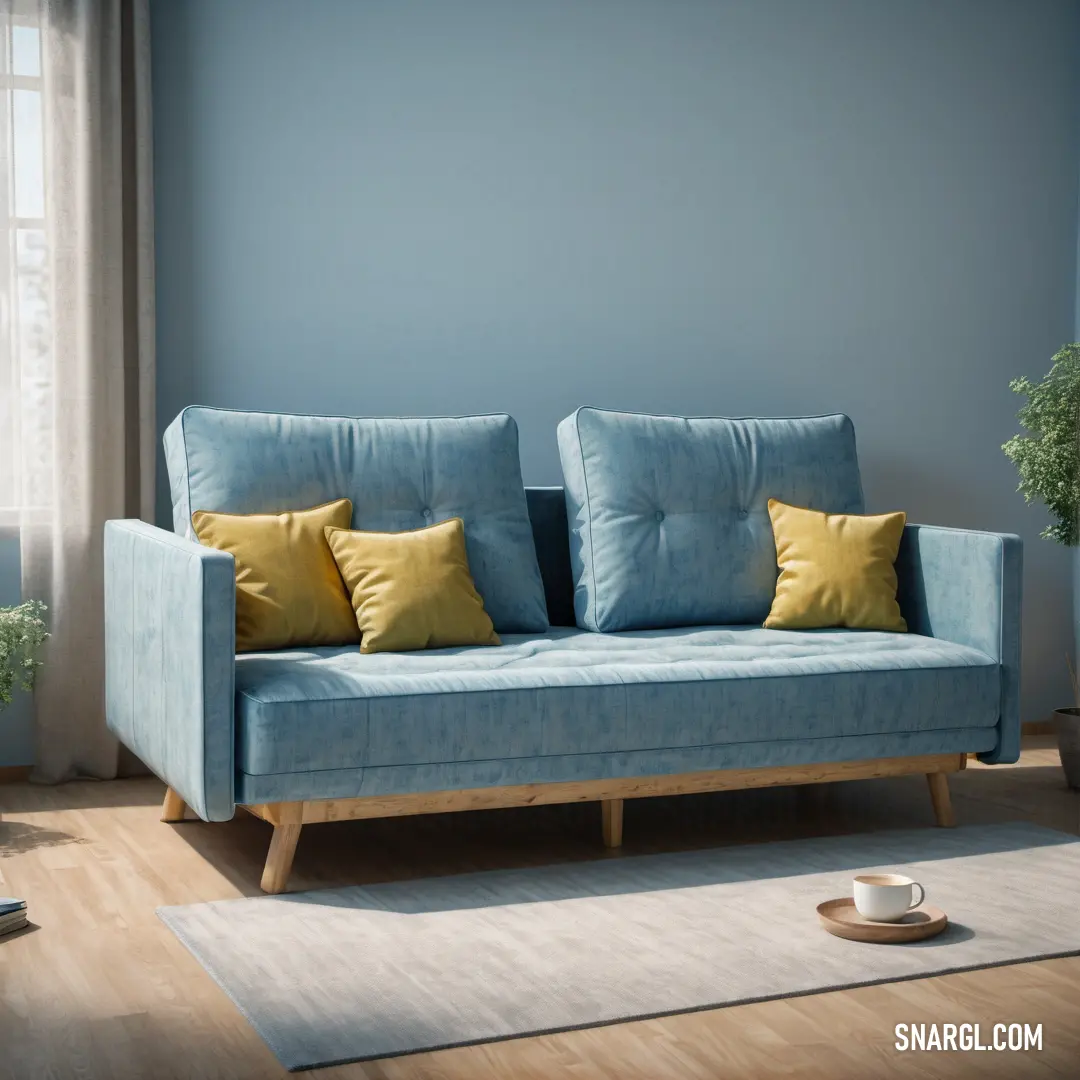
668	515
400	473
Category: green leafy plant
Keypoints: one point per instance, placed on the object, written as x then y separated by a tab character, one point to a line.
22	632
1048	459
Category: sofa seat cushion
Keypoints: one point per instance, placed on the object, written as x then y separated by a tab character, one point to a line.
570	691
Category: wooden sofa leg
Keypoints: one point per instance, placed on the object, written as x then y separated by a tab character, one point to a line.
173	808
939	796
287	820
611	821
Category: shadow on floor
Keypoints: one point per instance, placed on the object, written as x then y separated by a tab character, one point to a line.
27	798
23	931
398	849
17	838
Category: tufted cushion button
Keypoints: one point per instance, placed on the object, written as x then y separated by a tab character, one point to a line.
659	515
743	512
427	512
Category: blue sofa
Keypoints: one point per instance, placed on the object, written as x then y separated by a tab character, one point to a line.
629	604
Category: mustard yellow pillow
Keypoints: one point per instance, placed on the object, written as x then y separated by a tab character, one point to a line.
412	590
288	589
835	569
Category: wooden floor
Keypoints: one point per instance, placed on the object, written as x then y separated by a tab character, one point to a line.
99	988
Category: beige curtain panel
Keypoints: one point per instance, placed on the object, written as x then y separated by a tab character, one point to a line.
79	295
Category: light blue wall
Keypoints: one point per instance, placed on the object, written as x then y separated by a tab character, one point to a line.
16	722
763	206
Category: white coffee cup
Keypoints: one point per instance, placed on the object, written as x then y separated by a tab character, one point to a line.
886	897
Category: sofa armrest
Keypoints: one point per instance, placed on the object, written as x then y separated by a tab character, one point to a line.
965	587
170	660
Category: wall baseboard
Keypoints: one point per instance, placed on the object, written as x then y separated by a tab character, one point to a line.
12	774
1037	727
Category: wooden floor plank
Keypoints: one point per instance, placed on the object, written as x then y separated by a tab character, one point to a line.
100	988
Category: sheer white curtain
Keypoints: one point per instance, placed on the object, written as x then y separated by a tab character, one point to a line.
77	431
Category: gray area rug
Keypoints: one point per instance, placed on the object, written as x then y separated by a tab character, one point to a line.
372	971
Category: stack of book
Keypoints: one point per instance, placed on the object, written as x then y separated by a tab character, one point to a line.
12	914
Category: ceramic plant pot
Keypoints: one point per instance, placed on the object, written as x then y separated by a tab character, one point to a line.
1067	729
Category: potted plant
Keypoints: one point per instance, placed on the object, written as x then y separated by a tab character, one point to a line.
22	631
1048	460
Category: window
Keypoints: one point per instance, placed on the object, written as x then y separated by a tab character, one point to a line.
25	296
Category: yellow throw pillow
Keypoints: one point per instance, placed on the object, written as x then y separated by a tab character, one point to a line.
288	589
412	590
835	569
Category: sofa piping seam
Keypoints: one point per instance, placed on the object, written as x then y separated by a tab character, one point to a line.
644	682
588	517
636	750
